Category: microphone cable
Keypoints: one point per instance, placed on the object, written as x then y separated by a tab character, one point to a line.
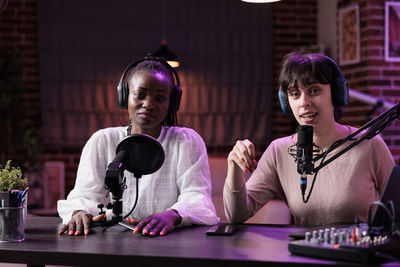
394	232
136	199
330	148
391	213
374	128
323	156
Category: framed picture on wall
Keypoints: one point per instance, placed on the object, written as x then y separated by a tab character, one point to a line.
349	35
392	31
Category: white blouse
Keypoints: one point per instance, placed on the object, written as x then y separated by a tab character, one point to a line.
182	183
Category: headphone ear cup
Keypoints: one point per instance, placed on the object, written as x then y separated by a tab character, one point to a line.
175	99
123	91
283	101
340	92
339	87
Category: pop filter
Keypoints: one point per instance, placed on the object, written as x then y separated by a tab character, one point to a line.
144	154
139	154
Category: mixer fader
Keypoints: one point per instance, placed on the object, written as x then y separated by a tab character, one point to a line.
345	244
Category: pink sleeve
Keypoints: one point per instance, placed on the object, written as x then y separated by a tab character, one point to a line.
262	186
381	162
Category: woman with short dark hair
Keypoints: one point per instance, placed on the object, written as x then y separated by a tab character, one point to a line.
312	89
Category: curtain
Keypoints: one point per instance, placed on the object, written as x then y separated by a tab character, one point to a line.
224	46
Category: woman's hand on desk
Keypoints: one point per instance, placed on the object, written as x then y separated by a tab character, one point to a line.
159	223
80	223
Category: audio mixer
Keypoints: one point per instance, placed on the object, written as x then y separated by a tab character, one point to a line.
351	243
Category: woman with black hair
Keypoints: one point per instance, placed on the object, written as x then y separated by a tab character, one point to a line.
178	194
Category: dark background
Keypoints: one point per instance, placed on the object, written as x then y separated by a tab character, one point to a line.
225	49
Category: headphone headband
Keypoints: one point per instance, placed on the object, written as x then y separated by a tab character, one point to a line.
123	87
339	87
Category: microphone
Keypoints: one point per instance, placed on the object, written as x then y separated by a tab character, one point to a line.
305	149
304	154
114	174
139	154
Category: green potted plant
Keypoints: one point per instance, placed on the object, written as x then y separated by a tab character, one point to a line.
11	180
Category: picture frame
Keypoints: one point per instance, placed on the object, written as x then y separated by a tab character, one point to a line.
392	33
349	35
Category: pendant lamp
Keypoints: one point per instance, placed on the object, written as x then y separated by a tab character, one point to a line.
167	54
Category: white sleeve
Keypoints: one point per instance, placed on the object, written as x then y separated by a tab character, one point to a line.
89	188
194	203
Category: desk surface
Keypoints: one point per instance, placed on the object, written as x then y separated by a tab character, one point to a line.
252	244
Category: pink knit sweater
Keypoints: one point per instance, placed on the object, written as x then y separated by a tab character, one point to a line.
343	190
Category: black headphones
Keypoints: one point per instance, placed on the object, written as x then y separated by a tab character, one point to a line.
123	87
339	91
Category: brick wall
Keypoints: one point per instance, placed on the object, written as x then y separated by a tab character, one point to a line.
18	31
373	75
295	26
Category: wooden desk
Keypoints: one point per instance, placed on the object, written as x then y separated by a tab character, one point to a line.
252	245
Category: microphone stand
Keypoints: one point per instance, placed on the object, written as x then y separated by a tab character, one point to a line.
115	183
139	154
374	128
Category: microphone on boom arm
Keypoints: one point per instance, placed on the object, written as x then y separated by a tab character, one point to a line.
303	153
